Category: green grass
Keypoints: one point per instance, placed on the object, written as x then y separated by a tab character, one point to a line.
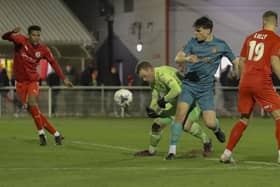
99	152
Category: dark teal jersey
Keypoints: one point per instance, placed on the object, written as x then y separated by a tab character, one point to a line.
210	54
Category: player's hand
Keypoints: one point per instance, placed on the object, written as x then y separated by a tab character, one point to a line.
68	83
193	58
161	102
16	30
151	113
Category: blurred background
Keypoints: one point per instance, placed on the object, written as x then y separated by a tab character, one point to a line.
99	42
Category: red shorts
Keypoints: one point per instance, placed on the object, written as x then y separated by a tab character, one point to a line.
27	88
266	97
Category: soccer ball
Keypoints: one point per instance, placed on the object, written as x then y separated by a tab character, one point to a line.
123	97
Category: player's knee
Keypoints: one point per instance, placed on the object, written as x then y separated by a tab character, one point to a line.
180	117
211	123
31	101
156	127
245	116
187	125
276	114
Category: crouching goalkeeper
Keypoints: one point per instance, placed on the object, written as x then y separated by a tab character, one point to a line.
166	87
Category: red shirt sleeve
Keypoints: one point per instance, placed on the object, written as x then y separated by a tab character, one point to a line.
11	36
49	57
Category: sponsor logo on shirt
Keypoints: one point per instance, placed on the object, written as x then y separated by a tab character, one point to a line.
25	56
38	54
214	49
266	107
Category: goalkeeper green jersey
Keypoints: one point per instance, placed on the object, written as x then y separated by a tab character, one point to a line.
166	84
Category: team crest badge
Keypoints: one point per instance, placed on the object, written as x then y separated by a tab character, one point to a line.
214	49
38	54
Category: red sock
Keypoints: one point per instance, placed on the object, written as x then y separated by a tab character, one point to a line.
235	134
277	132
47	125
35	112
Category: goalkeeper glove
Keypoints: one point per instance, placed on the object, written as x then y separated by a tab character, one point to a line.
161	102
151	113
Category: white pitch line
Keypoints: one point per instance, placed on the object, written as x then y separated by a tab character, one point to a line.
262	163
105	146
133	150
47	169
192	168
139	168
250	162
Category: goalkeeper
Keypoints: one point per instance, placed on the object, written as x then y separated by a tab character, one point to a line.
166	87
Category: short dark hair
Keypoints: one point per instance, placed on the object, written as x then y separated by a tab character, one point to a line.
33	28
142	65
204	22
270	13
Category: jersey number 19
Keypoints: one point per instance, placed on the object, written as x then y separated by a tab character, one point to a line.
256	50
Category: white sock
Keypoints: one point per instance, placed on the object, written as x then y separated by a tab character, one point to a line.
227	152
172	149
40	132
152	149
56	133
279	152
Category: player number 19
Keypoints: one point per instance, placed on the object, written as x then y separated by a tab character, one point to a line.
256	50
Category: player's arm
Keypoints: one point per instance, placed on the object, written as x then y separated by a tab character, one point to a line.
13	36
152	109
243	57
275	63
49	57
234	60
236	67
182	58
241	65
275	59
174	89
185	56
153	103
173	85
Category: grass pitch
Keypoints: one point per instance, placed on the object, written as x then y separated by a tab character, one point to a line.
98	152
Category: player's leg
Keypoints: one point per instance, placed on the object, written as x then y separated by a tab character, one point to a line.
22	91
206	103
35	113
57	136
186	97
245	106
270	101
156	132
276	116
32	94
235	135
177	127
193	127
155	136
212	123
